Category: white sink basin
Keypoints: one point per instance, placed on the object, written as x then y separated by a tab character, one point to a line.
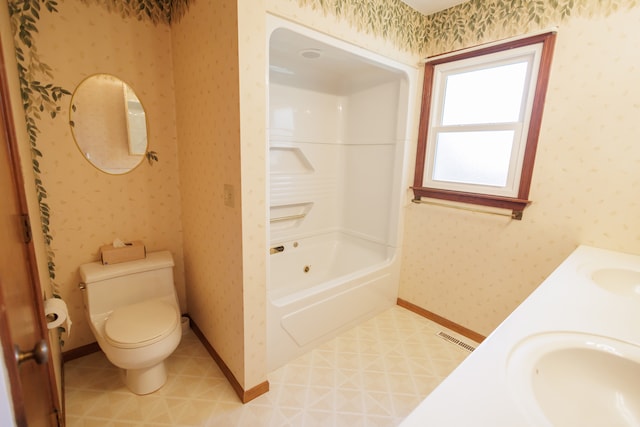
574	379
618	280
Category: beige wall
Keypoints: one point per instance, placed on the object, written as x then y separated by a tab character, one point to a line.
90	208
100	123
205	49
8	51
353	28
217	53
220	64
471	268
475	269
253	149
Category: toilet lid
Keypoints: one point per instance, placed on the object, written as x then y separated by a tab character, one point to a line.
140	324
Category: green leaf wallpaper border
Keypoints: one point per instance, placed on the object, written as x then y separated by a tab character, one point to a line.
39	100
156	11
463	25
390	19
478	21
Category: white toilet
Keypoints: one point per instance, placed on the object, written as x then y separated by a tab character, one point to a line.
133	311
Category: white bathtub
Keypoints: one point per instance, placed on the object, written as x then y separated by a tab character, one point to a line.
323	285
339	126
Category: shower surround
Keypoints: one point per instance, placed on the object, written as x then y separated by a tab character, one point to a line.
338	133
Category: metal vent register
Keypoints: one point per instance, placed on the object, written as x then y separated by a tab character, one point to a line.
455	341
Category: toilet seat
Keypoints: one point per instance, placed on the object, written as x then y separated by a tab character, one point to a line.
140	324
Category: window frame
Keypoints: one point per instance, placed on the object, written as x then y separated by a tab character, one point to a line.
520	202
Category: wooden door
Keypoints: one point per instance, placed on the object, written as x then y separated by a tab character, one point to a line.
22	324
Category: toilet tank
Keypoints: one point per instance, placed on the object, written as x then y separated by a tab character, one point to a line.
108	287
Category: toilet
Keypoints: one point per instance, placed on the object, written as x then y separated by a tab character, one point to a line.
133	312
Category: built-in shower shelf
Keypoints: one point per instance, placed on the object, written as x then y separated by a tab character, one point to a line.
288	160
289	215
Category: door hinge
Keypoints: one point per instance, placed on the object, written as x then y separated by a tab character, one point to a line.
56	419
26	228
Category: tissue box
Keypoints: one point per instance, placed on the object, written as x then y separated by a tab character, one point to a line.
130	252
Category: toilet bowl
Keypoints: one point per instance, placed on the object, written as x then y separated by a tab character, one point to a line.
140	344
134	315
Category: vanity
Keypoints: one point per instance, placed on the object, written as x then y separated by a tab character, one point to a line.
569	355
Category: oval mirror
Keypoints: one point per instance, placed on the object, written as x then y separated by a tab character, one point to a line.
109	124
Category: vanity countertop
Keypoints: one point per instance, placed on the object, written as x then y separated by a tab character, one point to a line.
480	392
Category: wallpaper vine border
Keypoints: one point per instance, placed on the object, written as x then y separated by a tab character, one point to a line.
459	26
476	21
41	98
156	11
389	19
462	25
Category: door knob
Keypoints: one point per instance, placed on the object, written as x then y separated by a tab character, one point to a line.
39	354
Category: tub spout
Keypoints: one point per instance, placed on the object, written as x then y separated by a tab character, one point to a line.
276	249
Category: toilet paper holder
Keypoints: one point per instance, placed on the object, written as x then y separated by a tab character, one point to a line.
56	314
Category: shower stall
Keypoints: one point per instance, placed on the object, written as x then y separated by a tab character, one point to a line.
338	130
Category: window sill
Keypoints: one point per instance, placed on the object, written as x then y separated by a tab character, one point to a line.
517	206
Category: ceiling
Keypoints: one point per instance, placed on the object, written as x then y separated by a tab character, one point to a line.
299	61
427	7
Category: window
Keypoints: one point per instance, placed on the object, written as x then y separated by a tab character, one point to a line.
480	121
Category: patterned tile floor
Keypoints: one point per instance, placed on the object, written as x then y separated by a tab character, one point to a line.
371	375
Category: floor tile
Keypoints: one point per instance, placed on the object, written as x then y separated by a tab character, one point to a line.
372	375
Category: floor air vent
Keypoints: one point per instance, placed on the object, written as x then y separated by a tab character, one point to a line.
455	341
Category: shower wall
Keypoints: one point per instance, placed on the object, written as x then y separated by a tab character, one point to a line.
336	154
375	128
337	137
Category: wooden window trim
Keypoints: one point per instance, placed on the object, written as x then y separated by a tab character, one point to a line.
520	202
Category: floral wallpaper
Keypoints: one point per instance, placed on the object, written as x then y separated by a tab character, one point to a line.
58	44
209	155
388	19
43	98
475	269
465	24
468	23
157	11
476	21
40	100
476	284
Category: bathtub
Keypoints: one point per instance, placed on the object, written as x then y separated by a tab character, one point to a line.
323	285
339	126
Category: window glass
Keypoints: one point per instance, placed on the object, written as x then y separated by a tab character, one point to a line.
473	157
480	123
486	95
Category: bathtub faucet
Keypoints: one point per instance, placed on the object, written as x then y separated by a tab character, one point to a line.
276	249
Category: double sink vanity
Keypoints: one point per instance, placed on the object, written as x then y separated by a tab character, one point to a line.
569	355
